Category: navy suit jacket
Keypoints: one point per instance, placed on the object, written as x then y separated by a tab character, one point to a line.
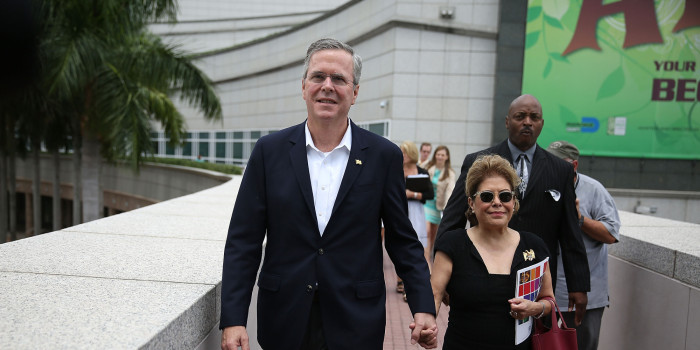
555	221
345	265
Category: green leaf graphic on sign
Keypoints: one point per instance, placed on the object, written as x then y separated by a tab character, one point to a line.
553	22
556	8
531	39
533	13
612	84
558	57
547	68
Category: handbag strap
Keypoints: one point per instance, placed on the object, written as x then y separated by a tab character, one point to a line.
555	325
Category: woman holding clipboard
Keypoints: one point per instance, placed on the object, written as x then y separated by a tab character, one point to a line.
418	190
478	266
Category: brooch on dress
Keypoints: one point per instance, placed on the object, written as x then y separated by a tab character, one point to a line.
529	255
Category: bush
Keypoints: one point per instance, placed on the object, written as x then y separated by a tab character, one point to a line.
222	168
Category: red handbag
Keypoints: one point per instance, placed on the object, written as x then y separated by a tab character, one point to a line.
556	338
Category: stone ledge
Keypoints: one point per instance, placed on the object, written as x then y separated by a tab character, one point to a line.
669	247
141	279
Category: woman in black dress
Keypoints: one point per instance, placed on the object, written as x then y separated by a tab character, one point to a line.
477	267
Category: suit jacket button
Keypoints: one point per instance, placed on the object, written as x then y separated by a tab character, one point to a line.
309	288
320	251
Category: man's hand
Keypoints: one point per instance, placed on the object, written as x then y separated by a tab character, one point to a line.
580	299
233	337
424	330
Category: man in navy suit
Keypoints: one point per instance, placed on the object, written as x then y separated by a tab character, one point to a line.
547	200
320	191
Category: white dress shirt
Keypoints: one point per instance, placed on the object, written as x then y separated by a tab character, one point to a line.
326	171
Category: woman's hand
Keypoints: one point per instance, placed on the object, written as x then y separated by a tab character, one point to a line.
413	195
521	308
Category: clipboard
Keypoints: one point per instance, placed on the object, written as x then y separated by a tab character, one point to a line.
528	282
418	183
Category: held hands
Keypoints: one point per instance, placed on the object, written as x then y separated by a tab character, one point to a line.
233	337
424	330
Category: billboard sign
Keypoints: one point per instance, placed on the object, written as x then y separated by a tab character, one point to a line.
617	78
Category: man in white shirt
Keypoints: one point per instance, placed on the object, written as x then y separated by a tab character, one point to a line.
319	191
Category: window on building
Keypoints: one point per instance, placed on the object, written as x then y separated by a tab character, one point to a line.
227	146
377	128
221	150
187	149
380	128
204	149
238	150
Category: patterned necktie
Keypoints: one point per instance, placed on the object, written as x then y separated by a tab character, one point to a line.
522	172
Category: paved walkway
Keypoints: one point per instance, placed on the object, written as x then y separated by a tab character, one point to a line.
398	315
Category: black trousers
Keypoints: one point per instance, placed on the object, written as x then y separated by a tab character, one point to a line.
314	338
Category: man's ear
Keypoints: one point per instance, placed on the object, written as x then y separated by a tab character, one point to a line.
303	88
355	91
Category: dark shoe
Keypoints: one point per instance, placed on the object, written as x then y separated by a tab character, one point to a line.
399	287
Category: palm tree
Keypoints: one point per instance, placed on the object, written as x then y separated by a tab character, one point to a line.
33	112
11	171
17	33
120	79
4	204
9	113
56	139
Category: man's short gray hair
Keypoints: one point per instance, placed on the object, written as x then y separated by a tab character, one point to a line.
332	44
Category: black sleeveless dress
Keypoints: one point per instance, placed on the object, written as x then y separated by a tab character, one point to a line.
479	310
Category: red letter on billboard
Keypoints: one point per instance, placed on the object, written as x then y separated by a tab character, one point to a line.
665	86
640	20
685	85
691	16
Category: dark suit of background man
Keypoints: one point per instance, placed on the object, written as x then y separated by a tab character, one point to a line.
320	191
548	207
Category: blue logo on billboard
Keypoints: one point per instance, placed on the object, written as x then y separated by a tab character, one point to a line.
589	124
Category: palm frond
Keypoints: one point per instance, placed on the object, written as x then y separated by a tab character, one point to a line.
170	68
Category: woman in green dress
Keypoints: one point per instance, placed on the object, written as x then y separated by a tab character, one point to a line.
443	179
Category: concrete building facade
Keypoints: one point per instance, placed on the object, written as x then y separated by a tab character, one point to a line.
439	71
428	76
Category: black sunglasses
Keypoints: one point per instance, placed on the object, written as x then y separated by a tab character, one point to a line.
487	196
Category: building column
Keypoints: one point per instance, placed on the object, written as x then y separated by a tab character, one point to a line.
28	215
